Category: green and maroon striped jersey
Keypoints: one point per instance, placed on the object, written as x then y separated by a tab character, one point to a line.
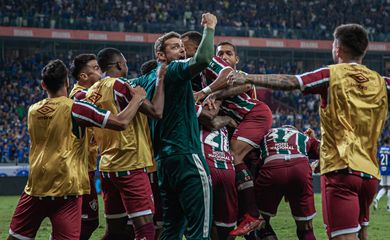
236	107
288	141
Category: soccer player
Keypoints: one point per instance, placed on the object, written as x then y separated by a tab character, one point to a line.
384	163
86	71
353	111
184	178
58	156
216	150
254	118
285	171
125	155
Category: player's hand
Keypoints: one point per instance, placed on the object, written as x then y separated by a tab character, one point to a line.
209	20
198	96
137	92
310	133
161	72
232	123
236	78
210	102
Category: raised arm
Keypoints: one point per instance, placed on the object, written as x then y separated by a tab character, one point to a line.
155	107
273	81
219	83
205	50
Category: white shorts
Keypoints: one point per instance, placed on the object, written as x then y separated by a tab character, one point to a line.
385	182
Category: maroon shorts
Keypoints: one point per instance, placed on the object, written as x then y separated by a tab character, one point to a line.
224	197
127	194
254	126
90	209
289	178
157	199
64	214
346	200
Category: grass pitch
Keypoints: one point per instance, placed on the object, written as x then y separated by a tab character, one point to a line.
283	223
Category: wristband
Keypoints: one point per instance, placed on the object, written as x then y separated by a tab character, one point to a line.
207	90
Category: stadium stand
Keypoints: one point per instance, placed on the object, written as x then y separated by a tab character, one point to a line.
275	19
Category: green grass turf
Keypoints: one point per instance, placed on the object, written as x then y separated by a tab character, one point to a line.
283	223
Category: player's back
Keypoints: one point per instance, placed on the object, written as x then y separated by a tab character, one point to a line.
56	154
120	150
353	119
284	142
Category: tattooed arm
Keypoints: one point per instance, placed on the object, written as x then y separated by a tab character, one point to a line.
225	93
273	81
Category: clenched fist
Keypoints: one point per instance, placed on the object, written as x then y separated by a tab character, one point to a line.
209	20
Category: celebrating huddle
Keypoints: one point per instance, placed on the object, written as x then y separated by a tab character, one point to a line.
186	147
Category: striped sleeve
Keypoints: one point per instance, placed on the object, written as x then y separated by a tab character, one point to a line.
80	95
215	67
198	109
315	82
122	94
86	114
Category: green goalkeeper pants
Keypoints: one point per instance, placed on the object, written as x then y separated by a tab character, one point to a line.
186	197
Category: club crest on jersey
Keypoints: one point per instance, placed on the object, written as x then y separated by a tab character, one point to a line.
93	204
94	97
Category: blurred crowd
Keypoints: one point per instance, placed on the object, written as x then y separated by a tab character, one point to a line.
278	18
20	87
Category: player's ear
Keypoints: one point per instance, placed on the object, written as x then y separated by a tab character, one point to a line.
83	76
118	66
237	59
161	57
43	85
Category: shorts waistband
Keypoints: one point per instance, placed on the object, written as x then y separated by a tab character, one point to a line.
354	172
121	173
58	198
285	157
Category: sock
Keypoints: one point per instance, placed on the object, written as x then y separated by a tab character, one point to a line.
245	188
223	232
87	228
145	231
388	199
380	194
267	231
306	234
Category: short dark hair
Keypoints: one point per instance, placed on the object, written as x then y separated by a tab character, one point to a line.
227	43
193	36
107	57
54	75
159	45
79	62
353	37
387	140
148	66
